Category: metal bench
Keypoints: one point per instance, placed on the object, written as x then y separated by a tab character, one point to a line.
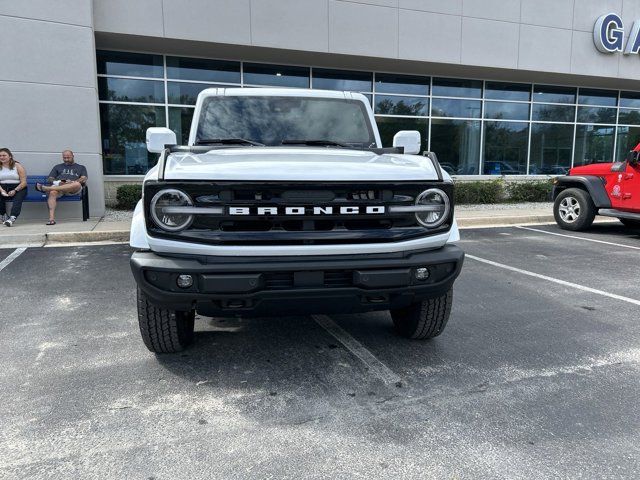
34	195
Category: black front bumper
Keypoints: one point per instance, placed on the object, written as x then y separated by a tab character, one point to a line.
224	286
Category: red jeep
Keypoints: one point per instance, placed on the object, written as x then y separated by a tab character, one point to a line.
609	189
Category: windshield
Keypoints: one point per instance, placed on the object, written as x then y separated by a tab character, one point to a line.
274	120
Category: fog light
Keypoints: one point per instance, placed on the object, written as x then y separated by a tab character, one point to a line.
184	281
421	273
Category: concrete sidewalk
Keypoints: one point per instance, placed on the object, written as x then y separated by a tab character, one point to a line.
116	229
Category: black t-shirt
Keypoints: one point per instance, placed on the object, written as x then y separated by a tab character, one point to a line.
71	172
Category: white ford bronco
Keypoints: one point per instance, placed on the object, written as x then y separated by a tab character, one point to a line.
284	202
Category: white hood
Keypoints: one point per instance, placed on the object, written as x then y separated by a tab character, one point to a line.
297	164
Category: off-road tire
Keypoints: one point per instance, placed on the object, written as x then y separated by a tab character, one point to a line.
423	320
586	209
164	330
630	223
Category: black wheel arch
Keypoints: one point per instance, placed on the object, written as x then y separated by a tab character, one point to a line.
590	183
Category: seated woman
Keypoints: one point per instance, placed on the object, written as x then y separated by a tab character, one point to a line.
13	186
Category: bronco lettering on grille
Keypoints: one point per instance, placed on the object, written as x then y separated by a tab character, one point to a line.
274	211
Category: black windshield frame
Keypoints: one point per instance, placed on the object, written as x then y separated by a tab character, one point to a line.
278	127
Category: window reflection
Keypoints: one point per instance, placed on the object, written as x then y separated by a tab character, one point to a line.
553	94
605	98
186	93
449	107
276	75
407	84
180	122
389	126
551	146
507	91
453	87
324	79
594	144
412	106
596	115
123	137
126	90
505	148
553	113
270	120
129	64
628	138
201	69
457	144
506	110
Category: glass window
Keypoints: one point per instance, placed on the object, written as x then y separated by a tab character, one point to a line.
457	144
605	98
203	70
126	90
272	120
628	138
594	144
551	146
596	115
408	84
507	91
554	113
180	122
186	93
451	87
415	106
276	75
629	117
506	110
324	79
123	130
449	107
389	126
553	94
630	99
129	64
505	148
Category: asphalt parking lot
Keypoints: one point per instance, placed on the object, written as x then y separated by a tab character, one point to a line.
536	376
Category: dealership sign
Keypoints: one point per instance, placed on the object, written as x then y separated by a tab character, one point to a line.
608	35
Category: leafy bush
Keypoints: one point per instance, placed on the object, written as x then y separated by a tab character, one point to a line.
128	196
478	192
530	191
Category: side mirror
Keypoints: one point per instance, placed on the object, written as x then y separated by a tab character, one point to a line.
158	138
409	139
633	157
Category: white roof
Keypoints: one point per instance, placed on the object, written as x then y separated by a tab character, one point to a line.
279	92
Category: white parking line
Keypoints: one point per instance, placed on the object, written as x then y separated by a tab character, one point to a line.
374	365
579	238
15	254
554	280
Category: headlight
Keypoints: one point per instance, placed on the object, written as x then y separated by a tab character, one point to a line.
435	208
161	206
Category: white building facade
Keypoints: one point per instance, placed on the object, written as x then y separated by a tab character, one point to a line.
495	87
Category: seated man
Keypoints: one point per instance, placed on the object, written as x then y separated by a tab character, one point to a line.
65	178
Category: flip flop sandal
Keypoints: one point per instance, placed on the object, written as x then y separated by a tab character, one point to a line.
39	188
51	222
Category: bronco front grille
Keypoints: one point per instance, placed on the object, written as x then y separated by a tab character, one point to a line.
298	214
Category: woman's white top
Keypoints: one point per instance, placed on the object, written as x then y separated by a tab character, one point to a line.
9	176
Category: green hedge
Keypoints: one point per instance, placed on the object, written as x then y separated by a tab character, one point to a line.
497	191
530	191
487	191
128	196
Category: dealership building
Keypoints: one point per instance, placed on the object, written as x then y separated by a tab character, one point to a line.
495	87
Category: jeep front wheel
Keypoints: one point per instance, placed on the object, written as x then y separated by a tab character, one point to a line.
574	210
422	320
164	330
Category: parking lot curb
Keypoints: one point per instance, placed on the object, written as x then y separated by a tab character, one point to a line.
503	221
81	237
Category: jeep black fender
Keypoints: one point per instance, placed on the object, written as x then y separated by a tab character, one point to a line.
592	184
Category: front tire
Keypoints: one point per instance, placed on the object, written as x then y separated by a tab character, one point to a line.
164	330
629	223
426	319
574	210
